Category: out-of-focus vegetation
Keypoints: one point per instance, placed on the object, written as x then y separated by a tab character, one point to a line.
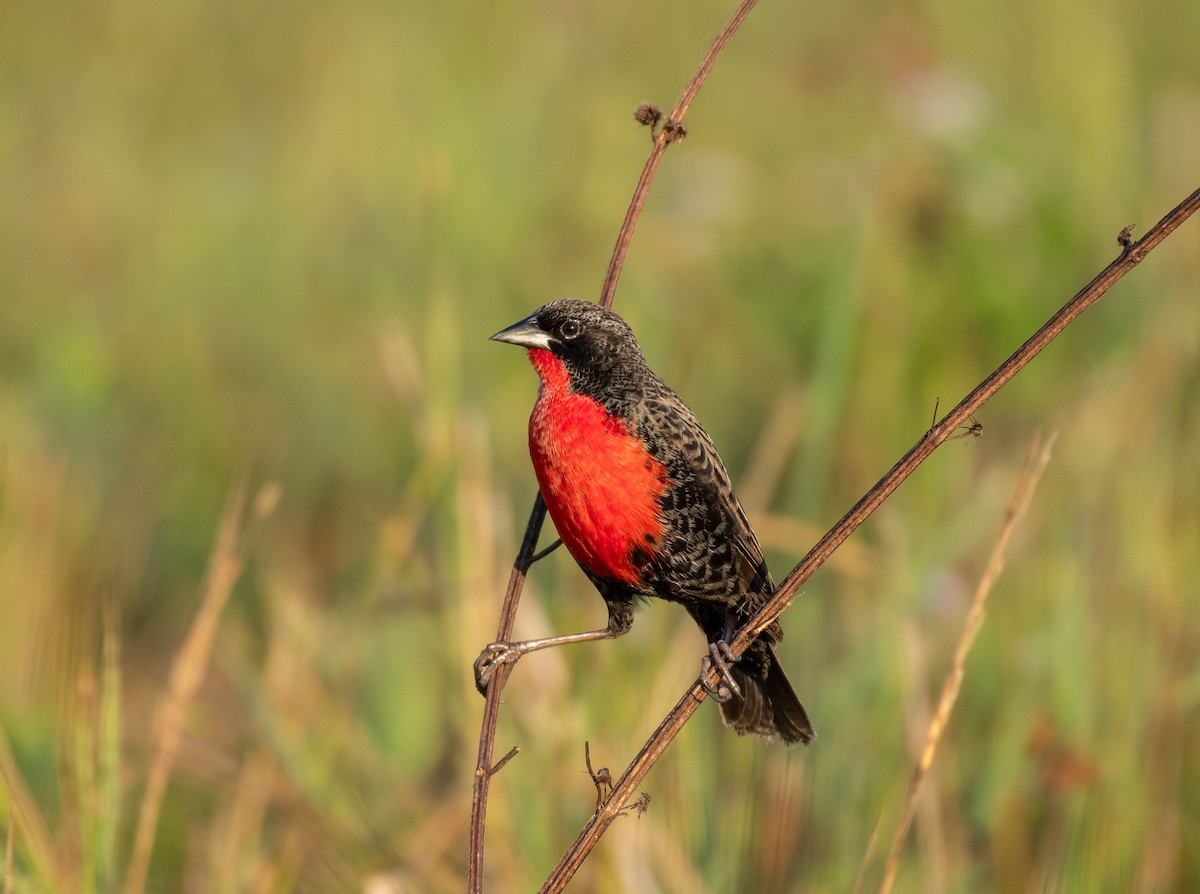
270	241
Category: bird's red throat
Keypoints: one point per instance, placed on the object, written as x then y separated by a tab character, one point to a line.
600	483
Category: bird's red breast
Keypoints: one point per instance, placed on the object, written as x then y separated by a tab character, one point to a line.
600	483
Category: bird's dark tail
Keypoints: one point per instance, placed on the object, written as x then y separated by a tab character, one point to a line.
768	705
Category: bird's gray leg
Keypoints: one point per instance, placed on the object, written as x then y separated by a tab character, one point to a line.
620	619
720	657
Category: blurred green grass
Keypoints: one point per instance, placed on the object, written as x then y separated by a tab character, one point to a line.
274	239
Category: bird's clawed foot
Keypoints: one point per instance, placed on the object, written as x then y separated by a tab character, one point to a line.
720	657
492	656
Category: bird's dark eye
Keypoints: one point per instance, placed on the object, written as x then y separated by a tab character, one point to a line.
569	329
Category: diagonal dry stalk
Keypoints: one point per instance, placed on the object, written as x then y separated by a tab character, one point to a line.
1035	464
24	816
1132	254
671	132
8	851
187	674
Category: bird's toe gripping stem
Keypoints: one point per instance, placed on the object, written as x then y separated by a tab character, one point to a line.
492	656
720	657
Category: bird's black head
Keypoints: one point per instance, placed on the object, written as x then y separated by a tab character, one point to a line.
595	345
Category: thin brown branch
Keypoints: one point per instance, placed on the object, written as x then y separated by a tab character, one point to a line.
542	553
8	850
512	752
788	591
601	778
671	132
491	708
1130	257
1035	464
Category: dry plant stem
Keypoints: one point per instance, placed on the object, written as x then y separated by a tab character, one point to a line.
25	816
788	591
665	137
187	673
8	851
862	867
1129	258
1035	464
491	711
512	752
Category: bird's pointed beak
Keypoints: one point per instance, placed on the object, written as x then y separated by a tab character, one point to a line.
526	333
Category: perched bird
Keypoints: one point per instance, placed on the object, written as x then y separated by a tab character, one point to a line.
642	501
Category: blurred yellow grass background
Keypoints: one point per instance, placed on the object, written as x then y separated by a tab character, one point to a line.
267	243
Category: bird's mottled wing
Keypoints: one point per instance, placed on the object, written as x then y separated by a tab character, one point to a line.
712	562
